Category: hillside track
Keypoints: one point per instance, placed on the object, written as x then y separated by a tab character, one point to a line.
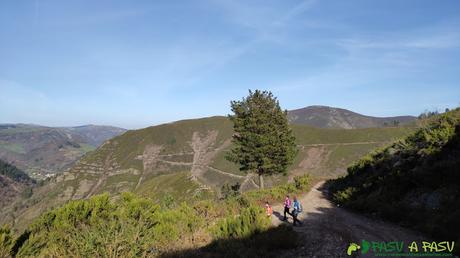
328	230
340	144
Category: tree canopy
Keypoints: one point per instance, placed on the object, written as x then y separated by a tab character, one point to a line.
14	173
263	140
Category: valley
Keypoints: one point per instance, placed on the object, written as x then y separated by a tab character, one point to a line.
43	152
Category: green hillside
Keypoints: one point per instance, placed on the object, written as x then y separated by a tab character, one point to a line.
332	117
187	159
412	181
132	226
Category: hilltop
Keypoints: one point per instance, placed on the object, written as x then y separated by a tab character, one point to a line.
186	159
42	151
331	117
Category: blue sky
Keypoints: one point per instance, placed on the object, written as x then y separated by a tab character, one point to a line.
139	63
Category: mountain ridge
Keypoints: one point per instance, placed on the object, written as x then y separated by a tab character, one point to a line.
333	117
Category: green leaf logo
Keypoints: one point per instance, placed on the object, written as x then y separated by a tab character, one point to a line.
353	247
366	245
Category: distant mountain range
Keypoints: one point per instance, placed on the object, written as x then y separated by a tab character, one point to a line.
41	151
330	117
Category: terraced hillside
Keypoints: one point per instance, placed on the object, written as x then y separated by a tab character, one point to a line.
186	159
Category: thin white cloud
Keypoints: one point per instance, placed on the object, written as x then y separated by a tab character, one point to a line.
440	36
427	42
297	10
263	19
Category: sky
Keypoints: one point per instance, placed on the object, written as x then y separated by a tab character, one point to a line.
135	64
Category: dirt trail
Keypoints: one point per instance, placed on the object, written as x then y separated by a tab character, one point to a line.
339	144
328	230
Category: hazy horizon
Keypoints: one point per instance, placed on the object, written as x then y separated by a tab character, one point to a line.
166	122
143	63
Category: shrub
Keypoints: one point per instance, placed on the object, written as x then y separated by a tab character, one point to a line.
300	184
6	241
228	190
250	221
132	226
412	181
344	195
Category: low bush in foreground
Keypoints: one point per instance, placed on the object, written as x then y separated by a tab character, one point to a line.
133	226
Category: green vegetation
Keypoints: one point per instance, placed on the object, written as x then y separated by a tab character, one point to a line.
228	190
14	129
300	185
13	172
176	185
119	164
414	181
117	152
133	226
40	150
337	148
216	180
85	148
250	220
306	135
263	141
6	241
221	162
175	139
13	147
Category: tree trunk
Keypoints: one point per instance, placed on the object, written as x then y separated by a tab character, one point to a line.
261	181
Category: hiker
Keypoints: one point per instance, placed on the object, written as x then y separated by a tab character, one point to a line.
287	206
268	209
297	209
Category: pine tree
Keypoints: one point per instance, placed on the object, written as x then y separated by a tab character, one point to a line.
263	141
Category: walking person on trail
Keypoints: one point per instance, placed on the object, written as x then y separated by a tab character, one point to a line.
268	209
297	209
287	206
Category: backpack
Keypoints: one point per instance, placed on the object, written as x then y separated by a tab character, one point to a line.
299	207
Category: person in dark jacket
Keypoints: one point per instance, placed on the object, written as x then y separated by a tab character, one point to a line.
297	208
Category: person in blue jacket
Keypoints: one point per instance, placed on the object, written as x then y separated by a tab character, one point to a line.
297	209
